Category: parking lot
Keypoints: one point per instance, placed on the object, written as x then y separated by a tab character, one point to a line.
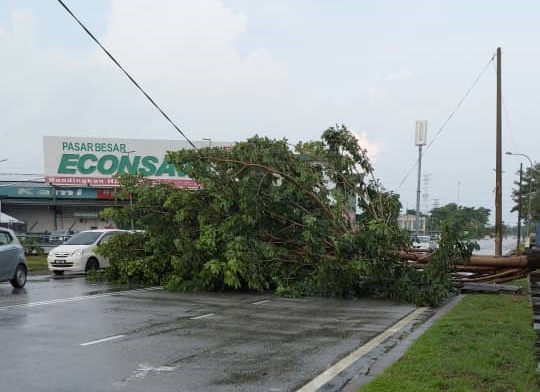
68	334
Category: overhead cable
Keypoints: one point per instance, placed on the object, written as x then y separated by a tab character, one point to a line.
506	115
452	113
126	73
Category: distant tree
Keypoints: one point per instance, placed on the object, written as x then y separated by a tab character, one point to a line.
530	183
472	222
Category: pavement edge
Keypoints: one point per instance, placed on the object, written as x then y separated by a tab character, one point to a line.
376	361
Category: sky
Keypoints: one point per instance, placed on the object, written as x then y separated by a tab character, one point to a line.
232	69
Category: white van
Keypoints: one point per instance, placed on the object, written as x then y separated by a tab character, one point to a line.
424	242
78	254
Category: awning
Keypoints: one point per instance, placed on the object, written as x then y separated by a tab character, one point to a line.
5	218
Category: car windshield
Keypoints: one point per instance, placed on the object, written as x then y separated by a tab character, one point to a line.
422	238
84	238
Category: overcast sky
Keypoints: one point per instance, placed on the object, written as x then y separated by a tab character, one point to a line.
230	69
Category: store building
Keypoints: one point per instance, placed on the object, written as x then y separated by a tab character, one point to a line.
44	207
408	222
80	180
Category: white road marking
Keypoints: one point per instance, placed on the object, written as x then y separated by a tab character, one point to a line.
260	302
143	371
102	340
333	371
73	299
200	317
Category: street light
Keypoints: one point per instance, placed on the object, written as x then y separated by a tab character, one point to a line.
131	200
530	192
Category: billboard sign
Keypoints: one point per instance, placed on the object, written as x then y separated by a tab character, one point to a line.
95	161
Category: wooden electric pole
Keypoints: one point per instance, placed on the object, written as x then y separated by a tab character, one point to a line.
519	206
498	168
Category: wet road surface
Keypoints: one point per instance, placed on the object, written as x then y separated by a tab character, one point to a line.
69	334
487	246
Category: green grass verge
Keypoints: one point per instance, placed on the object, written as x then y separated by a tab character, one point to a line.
485	343
37	265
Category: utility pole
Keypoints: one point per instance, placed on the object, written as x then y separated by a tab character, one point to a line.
498	168
527	242
420	140
425	201
417	221
519	206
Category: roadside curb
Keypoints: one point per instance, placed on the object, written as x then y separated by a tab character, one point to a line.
388	352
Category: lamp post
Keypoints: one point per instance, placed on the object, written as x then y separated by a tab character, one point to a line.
530	194
131	200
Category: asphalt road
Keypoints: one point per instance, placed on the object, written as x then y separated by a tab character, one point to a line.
487	246
71	335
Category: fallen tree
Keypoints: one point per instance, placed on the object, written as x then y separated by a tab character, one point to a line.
312	220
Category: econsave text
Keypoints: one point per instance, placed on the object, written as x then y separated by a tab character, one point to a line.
112	164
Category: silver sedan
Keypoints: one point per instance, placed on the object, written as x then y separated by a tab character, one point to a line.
12	261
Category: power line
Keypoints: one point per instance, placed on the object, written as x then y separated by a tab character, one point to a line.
507	118
452	113
508	122
506	115
126	73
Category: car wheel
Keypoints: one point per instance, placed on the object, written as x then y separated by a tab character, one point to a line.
92	265
19	278
58	272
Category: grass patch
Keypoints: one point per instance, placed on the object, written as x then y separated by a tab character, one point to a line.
485	343
522	283
37	264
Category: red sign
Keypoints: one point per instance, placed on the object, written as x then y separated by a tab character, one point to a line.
105	194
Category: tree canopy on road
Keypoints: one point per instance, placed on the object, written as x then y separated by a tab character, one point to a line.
312	220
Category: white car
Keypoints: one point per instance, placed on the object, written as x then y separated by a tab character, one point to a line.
78	254
424	242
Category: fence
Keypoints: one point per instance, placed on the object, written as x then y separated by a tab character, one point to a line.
41	243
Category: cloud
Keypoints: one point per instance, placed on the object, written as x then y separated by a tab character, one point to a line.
181	51
399	76
23	24
190	54
373	147
379	90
